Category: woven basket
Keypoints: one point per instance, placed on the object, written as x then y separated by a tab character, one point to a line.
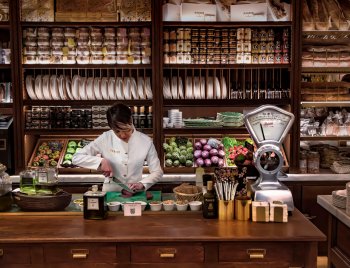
187	193
42	203
341	167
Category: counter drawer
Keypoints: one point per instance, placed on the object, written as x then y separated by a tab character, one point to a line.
256	252
76	252
14	254
159	253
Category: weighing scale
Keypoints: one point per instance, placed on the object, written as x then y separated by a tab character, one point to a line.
268	126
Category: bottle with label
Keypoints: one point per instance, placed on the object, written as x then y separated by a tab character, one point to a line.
27	178
149	118
142	117
135	117
210	204
95	204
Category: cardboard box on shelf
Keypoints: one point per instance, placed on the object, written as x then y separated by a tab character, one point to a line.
198	12
249	12
171	12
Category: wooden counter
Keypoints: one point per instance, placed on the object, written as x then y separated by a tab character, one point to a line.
338	233
179	240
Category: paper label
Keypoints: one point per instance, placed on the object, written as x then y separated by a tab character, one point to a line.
71	42
132	209
42	177
92	204
65	51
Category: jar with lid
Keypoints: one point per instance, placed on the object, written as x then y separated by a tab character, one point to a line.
95	204
27	178
303	162
313	162
5	189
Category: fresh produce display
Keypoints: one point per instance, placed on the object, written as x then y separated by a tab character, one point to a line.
72	147
178	152
209	153
238	152
47	153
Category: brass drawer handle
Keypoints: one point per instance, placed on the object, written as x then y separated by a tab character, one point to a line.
80	253
167	255
256	253
1	252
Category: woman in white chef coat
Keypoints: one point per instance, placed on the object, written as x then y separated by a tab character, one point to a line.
120	153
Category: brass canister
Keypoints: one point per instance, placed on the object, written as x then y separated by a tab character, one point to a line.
226	210
242	208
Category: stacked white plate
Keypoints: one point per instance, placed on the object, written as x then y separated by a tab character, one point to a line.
348	198
339	198
175	117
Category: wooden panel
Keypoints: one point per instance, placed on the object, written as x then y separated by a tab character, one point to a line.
14	254
81	253
167	253
256	252
343	239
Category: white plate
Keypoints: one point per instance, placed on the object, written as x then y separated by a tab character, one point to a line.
111	88
54	87
181	88
46	87
166	88
105	88
223	88
141	87
196	87
210	88
119	88
127	88
217	88
202	87
133	88
189	88
38	87
75	87
82	88
62	87
69	87
148	88
174	87
90	88
97	88
30	87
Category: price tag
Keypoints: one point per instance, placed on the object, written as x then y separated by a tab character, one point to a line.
132	209
65	51
71	42
104	51
130	59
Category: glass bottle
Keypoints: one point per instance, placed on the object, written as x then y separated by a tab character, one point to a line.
135	117
142	117
210	204
27	181
149	117
5	189
303	162
95	204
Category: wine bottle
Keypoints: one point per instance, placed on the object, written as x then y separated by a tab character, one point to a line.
210	204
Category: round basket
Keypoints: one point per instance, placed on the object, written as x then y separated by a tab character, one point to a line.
42	203
188	193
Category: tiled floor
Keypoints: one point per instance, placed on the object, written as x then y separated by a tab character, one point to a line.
322	262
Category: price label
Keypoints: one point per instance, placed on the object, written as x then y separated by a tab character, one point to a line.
132	209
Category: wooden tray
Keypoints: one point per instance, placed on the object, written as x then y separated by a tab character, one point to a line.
42	141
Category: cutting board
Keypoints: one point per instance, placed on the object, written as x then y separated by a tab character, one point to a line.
140	196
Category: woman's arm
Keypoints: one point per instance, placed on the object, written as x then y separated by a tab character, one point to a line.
154	167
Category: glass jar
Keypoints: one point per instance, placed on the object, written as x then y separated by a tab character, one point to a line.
27	178
313	162
5	189
303	162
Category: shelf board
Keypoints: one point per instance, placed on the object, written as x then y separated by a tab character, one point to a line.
325	69
74	131
88	24
209	131
325	138
325	103
226	102
6	105
326	36
4	25
87	66
231	24
227	66
5	66
84	102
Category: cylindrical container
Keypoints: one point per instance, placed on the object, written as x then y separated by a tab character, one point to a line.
313	162
242	208
348	198
303	162
226	210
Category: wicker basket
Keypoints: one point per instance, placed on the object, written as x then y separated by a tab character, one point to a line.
187	193
42	203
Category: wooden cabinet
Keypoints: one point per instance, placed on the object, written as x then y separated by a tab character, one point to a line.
166	240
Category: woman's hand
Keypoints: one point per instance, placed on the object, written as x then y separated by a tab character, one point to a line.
136	187
106	168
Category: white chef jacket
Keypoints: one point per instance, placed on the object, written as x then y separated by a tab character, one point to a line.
126	158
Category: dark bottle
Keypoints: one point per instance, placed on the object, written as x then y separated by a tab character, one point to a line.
149	118
210	204
94	204
142	117
135	117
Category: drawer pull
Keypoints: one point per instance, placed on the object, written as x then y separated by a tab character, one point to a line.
1	252
167	255
256	253
80	253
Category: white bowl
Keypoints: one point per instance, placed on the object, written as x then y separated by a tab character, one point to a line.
181	207
113	206
195	205
168	205
143	204
155	206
